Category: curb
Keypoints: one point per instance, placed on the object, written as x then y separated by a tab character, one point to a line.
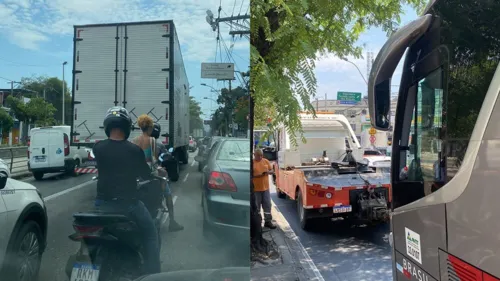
304	266
21	175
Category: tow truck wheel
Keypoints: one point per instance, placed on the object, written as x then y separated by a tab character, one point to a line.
305	222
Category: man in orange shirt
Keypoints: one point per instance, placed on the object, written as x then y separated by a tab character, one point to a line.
261	171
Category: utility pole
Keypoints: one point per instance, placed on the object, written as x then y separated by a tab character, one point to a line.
240	25
63	88
237	28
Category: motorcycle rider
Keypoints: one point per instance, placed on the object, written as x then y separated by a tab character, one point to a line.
151	151
120	163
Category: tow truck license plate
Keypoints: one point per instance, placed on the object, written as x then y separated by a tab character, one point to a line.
85	272
342	209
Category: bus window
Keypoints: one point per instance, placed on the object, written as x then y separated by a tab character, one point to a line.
451	67
423	162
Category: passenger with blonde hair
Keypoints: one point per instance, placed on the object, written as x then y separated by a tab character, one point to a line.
148	144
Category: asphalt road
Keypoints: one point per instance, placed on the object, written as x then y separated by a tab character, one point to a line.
340	252
184	250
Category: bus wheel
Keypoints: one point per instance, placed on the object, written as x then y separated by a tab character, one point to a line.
305	221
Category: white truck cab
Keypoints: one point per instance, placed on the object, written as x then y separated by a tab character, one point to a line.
50	151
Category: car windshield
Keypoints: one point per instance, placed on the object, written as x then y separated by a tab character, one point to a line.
234	150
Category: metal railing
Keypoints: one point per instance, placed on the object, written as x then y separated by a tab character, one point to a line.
16	159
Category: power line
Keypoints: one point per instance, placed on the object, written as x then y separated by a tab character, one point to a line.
6	79
241	7
25	64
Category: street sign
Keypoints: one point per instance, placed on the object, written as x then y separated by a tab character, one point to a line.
223	71
347	102
372	131
372	139
349	96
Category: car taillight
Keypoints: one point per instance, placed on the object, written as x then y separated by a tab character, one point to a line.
66	145
88	231
221	181
191	142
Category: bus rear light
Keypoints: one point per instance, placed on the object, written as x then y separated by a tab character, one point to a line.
460	270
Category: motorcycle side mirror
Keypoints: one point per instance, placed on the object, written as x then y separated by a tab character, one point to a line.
3	180
171	150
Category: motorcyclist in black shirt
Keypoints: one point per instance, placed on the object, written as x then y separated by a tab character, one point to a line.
120	164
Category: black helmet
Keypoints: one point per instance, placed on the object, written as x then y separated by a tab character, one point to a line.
117	117
156	131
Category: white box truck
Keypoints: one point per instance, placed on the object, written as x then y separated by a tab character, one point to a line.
136	65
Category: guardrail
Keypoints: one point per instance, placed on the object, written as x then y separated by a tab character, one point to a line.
17	160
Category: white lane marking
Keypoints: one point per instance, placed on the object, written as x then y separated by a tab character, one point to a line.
186	177
166	217
192	163
76	187
287	229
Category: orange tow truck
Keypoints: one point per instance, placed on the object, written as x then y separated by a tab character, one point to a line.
327	177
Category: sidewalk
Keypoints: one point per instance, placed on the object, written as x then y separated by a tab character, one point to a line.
294	264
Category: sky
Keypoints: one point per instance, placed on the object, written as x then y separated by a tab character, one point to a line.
334	74
36	36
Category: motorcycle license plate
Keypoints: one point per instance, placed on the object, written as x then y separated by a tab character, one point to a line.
342	209
85	272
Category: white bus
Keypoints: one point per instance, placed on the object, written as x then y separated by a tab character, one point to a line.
445	167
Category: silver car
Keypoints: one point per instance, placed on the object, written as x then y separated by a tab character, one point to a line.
226	187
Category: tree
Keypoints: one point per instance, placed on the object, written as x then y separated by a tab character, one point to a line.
219	123
40	112
52	87
36	111
233	105
18	108
195	120
241	112
288	36
6	122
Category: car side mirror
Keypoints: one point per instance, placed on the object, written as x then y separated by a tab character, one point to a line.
199	158
3	180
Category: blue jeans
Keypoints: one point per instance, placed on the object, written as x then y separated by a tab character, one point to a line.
150	239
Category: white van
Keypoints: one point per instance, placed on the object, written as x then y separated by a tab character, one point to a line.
50	151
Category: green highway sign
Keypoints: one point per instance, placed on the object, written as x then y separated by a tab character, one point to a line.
349	96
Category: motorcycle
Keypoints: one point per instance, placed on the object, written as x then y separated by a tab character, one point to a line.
110	248
171	164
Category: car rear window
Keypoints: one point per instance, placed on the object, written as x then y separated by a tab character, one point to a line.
234	150
372	152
